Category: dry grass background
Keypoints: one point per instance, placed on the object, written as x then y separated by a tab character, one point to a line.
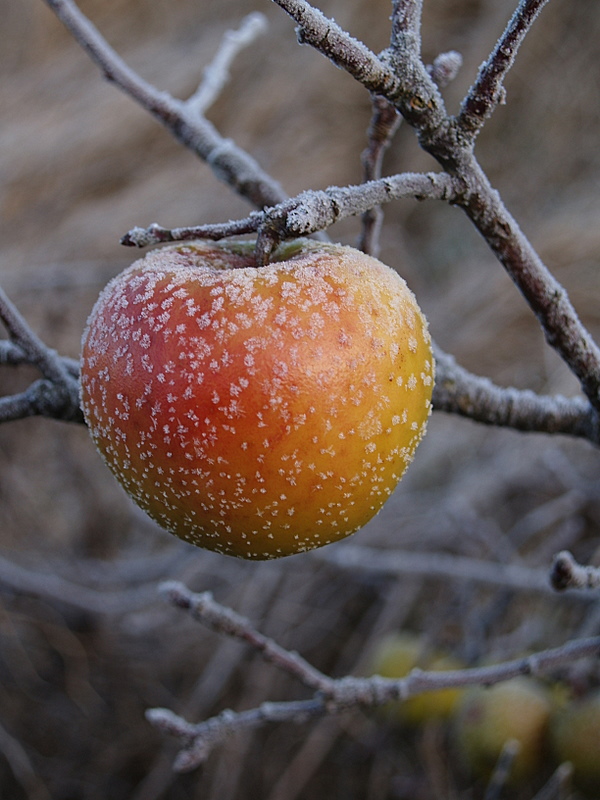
80	165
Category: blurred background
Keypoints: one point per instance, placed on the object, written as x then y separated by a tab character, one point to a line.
86	643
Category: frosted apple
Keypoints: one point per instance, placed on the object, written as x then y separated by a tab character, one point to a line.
257	411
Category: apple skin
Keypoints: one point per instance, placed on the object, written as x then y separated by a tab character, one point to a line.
395	656
257	411
575	737
487	718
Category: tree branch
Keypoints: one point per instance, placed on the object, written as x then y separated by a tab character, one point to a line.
346	52
415	95
458	391
55	396
216	74
156	234
229	162
488	90
205	609
400	76
335	695
440	566
309	212
57	589
546	297
385	121
406	26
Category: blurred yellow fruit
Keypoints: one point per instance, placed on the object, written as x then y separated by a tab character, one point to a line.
575	737
394	657
487	718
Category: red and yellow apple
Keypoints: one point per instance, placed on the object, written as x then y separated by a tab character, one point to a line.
258	411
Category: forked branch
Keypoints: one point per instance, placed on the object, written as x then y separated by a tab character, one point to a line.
229	162
57	393
331	695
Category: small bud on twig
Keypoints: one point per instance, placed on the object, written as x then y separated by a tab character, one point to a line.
568	574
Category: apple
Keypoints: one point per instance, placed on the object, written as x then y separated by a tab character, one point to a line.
258	411
575	737
488	718
395	656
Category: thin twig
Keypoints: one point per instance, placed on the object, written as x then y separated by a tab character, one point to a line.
42	399
488	90
228	161
11	354
315	29
502	770
216	74
204	608
439	566
558	786
385	121
53	587
200	740
156	234
550	302
36	352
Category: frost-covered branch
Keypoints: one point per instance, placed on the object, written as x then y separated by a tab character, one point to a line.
333	695
157	234
458	391
228	161
48	585
57	394
346	52
398	78
550	302
307	213
216	74
205	609
488	90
